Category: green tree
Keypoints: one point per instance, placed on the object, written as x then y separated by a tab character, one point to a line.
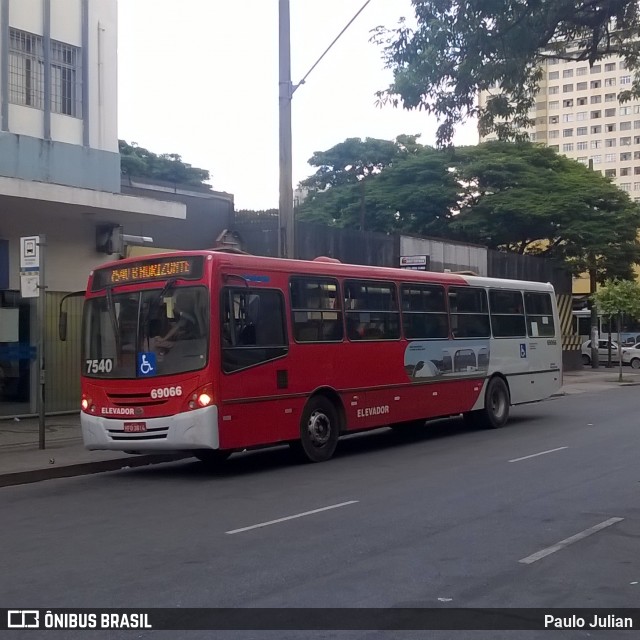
455	49
351	163
140	162
618	298
529	199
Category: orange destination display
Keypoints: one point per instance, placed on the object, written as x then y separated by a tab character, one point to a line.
186	267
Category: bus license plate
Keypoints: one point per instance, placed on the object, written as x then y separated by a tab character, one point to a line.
135	427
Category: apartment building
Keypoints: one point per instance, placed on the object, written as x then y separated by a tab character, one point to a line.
578	114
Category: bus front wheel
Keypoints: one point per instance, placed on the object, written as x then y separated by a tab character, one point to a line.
319	430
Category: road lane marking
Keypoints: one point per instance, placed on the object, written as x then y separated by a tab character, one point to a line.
297	515
534	455
567	541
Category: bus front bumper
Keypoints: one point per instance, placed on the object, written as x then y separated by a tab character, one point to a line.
191	430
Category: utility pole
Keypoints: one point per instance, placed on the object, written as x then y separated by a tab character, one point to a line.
286	228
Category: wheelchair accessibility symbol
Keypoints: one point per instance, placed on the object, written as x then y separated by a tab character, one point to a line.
523	350
147	364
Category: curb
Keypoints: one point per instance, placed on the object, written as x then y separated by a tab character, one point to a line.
86	468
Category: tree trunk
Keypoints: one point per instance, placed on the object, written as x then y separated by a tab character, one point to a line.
595	359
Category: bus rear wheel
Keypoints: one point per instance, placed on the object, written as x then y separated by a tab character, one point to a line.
496	406
319	430
211	457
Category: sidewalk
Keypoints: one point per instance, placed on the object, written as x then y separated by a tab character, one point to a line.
21	461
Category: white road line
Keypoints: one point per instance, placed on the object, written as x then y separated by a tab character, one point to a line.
564	543
298	515
534	455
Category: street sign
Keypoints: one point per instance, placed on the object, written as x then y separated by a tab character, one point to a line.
29	253
417	263
29	285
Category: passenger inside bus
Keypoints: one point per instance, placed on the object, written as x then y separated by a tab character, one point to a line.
185	326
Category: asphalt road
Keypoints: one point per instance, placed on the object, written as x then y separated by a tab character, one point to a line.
446	517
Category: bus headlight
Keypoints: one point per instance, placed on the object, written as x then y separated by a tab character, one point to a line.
201	398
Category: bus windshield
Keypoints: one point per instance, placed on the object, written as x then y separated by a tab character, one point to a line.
151	332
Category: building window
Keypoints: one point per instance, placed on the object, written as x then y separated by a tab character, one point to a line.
609	128
567	117
609	82
554	134
610	142
581	71
553	61
625	111
636	171
581	131
636	124
609	97
26	74
625	126
26	69
596	129
636	155
609	113
610	66
581	115
625	80
581	86
567	88
65	96
625	186
567	133
597	159
567	73
554	119
596	68
596	114
636	186
566	148
609	173
625	156
636	108
582	146
567	103
636	139
554	75
596	99
625	142
625	171
554	104
610	157
553	90
596	84
554	147
596	144
581	102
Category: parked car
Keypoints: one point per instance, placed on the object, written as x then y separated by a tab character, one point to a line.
631	355
603	351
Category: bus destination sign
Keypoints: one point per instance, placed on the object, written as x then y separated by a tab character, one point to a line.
187	267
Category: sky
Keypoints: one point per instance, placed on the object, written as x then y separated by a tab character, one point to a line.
200	78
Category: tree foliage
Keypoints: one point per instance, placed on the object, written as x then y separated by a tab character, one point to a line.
453	49
517	197
140	162
619	296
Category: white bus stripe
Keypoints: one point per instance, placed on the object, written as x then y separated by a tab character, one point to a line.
298	515
567	541
535	455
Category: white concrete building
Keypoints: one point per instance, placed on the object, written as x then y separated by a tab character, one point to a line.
578	114
59	176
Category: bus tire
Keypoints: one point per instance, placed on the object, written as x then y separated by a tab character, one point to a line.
211	457
586	360
319	430
496	404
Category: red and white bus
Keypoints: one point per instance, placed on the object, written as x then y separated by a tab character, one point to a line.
215	352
